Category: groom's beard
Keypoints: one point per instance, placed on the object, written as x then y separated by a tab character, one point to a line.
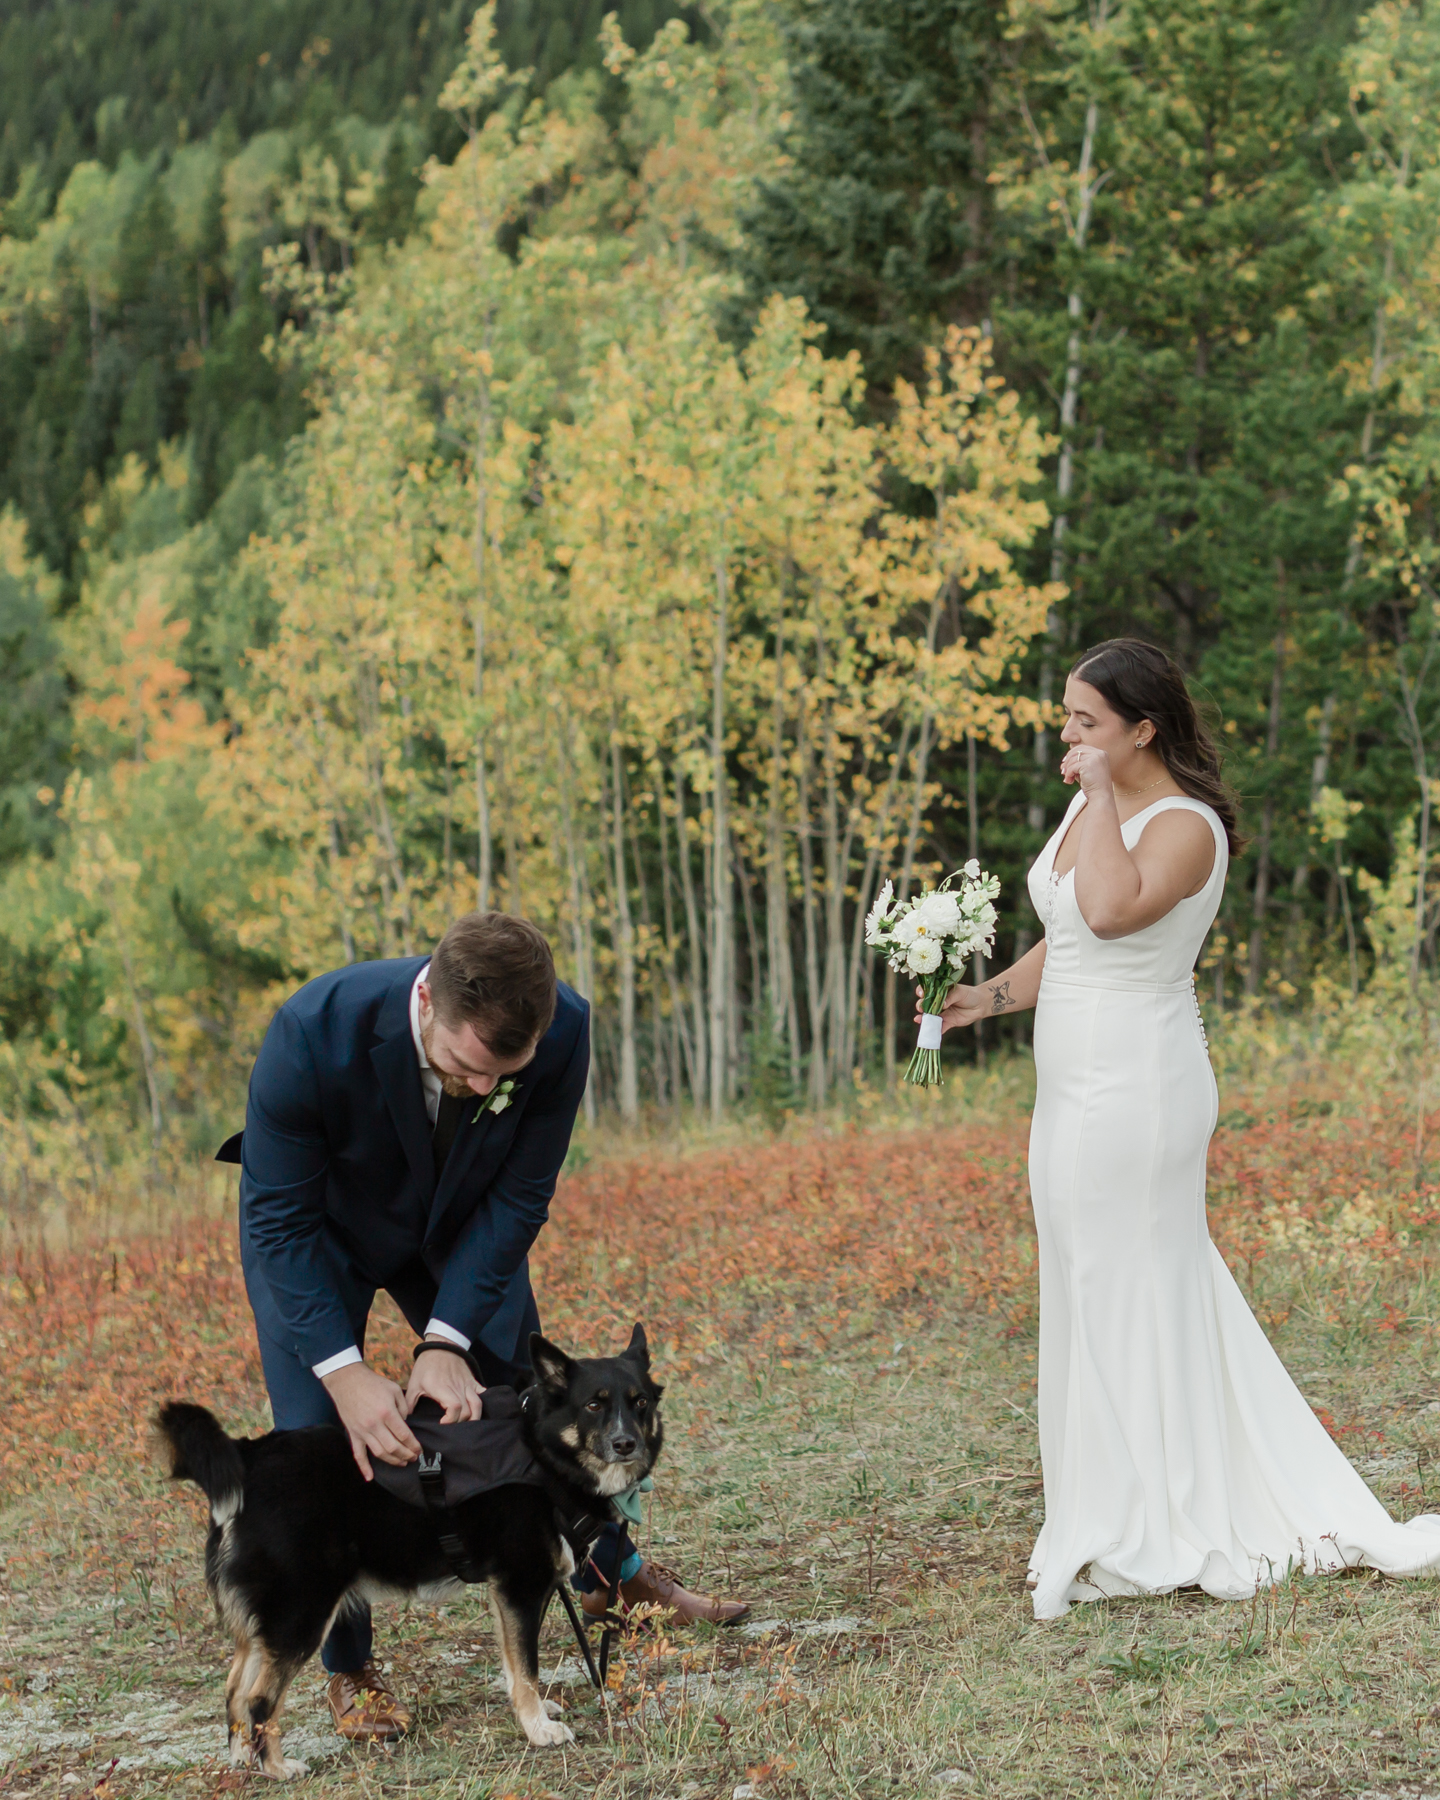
455	1086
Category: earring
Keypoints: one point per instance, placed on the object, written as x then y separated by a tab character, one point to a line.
1139	743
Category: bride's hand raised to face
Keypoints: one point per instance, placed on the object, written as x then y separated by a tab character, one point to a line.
1088	765
963	1006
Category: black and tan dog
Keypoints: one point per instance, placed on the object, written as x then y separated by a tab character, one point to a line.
296	1532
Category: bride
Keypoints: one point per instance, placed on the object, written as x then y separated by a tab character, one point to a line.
1176	1450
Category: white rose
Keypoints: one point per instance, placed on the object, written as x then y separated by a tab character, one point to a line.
925	955
499	1103
939	913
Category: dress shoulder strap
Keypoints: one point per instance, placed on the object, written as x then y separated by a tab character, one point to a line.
1186	803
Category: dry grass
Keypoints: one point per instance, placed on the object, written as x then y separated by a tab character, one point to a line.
848	1326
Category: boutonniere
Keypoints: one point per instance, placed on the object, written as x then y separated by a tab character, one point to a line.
496	1100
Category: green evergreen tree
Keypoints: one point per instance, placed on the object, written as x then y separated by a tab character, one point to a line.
880	221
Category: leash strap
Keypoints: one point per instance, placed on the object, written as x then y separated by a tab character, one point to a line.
582	1637
607	1636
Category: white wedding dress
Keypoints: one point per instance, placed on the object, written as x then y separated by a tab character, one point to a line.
1176	1450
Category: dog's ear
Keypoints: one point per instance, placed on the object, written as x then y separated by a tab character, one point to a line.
638	1349
550	1363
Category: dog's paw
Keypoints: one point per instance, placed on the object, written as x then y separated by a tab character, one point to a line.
554	1708
546	1734
287	1769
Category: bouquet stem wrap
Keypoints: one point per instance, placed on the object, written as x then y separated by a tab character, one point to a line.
930	939
924	1067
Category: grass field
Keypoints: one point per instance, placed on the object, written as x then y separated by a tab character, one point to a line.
846	1322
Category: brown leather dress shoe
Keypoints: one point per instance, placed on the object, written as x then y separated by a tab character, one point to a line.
364	1709
655	1585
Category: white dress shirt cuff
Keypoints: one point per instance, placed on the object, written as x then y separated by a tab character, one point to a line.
341	1360
438	1328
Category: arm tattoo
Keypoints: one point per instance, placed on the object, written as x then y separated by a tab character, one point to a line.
1000	997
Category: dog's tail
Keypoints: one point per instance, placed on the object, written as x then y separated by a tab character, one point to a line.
199	1451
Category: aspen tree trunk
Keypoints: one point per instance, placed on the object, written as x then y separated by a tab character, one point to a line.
1344	888
1065	473
484	853
647	940
1255	960
972	808
347	936
722	889
867	887
781	976
834	904
1319	772
514	898
1420	757
696	945
752	936
579	908
445	840
384	828
922	763
917	808
683	1045
624	940
815	1000
833	977
396	869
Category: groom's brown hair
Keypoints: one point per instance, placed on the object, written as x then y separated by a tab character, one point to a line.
495	973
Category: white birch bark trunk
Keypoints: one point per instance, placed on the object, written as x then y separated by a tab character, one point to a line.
721	894
1065	473
629	1095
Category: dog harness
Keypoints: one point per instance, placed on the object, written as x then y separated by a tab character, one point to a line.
458	1462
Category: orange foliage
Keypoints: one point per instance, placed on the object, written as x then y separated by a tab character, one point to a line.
765	1251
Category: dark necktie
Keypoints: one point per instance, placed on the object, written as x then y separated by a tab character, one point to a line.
447	1123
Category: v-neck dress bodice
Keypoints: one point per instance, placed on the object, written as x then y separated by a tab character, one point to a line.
1176	1449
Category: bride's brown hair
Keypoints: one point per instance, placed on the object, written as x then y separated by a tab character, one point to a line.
1139	682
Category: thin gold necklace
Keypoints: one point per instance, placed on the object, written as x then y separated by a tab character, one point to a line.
1131	793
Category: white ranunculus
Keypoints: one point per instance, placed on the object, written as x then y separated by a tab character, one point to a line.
879	913
939	914
906	928
925	955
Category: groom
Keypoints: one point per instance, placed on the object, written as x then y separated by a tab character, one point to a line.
406	1124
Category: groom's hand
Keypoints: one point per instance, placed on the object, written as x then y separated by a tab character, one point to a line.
372	1410
447	1379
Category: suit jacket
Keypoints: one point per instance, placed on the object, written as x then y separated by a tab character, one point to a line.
337	1166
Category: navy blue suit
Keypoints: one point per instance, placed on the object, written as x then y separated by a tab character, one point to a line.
338	1195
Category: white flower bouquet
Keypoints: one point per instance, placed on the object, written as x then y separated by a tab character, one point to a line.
932	937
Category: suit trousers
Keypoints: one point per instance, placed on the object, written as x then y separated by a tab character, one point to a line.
298	1398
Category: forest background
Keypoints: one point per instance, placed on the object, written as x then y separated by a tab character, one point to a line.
652	472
